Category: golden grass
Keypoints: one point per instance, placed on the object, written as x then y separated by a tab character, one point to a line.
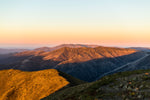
20	85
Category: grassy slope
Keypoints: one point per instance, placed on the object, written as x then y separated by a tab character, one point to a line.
131	85
23	85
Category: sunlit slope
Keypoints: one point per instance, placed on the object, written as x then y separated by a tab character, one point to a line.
19	85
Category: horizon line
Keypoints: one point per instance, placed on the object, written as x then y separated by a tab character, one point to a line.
34	46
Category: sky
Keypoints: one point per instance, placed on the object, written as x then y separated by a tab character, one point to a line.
33	23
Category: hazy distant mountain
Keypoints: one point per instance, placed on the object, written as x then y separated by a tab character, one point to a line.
83	63
20	85
141	48
65	45
7	51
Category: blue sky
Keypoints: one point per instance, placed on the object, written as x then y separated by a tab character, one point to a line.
75	11
132	16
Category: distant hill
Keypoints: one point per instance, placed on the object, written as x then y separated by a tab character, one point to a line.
141	48
7	51
84	63
65	45
132	85
23	85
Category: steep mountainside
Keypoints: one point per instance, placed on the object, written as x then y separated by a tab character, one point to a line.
143	63
84	63
121	86
20	85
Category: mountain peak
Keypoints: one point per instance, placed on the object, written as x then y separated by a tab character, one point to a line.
66	45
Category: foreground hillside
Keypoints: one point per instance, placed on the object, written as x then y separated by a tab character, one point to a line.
85	63
133	85
20	85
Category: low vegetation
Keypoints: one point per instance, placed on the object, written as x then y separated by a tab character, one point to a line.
131	85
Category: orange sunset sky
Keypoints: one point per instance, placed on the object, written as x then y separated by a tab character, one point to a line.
29	23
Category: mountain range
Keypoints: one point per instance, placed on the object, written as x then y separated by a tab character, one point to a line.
85	63
75	72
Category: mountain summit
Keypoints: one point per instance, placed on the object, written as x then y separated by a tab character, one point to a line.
65	45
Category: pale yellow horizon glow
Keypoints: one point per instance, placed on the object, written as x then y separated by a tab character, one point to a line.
60	35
